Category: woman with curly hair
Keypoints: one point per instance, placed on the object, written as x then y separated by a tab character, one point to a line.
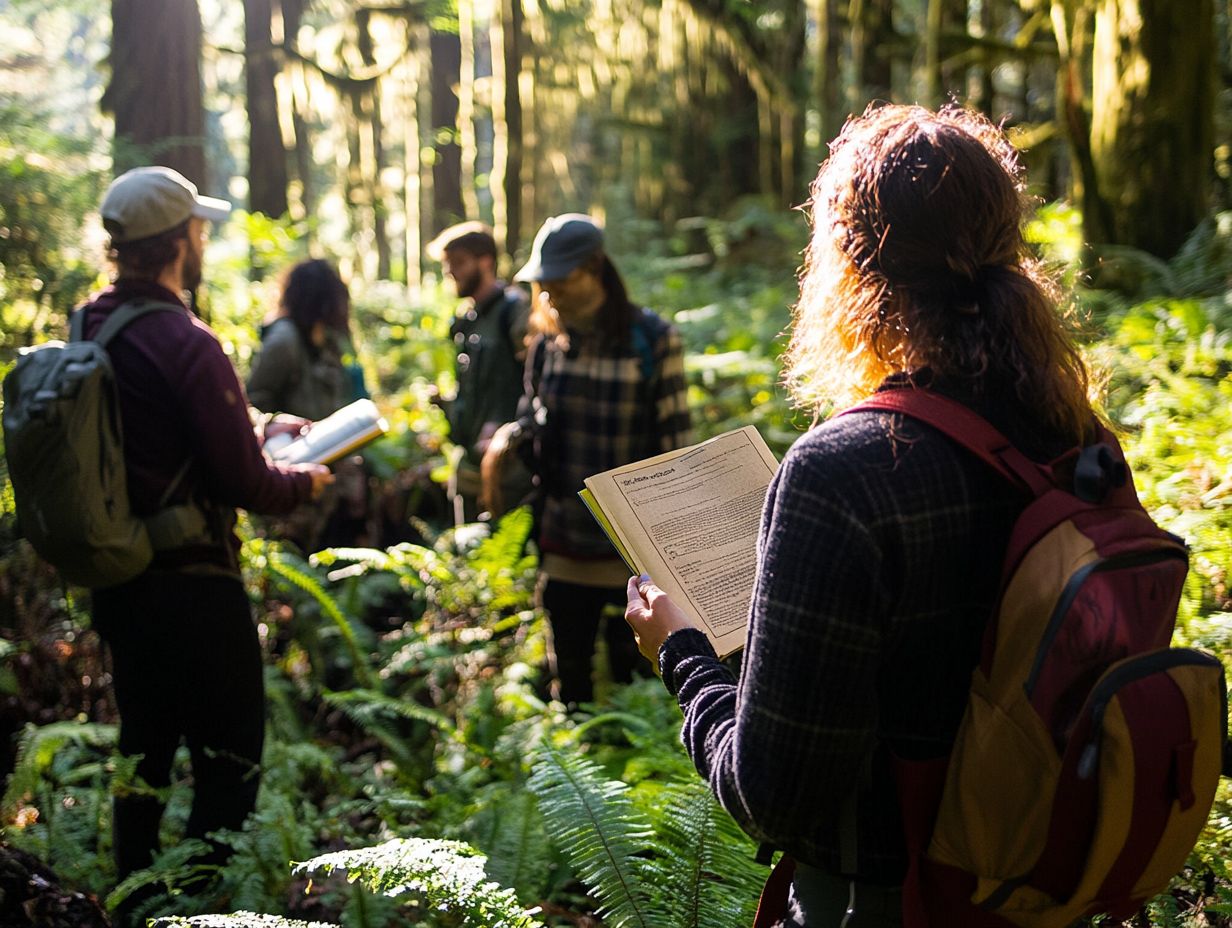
882	540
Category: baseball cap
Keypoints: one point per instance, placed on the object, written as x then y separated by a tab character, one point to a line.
466	235
146	201
562	243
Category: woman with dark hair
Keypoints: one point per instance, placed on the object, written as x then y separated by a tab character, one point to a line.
604	386
306	368
301	368
882	540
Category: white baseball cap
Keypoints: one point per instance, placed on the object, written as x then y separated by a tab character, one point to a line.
146	201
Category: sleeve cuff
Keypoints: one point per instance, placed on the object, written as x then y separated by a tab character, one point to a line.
679	646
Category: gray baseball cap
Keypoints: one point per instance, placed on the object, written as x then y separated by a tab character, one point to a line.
562	243
146	201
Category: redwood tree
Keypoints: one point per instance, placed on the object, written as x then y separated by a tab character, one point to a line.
267	158
155	87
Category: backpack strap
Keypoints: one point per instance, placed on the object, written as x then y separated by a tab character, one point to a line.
120	317
966	427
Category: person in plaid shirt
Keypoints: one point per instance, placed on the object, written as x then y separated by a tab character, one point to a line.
604	386
881	543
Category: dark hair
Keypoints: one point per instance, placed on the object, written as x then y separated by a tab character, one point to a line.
313	292
145	258
917	261
615	323
478	244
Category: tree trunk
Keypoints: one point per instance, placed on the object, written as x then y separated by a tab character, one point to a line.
155	87
368	115
507	154
875	31
826	85
1152	118
932	52
446	55
267	158
292	14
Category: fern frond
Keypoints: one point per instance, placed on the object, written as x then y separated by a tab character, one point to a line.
37	749
236	920
172	866
508	827
280	566
449	874
503	549
592	820
706	868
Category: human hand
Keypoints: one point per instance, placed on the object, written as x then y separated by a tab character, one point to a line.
321	475
652	616
283	424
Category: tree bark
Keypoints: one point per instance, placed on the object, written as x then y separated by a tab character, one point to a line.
1152	118
826	86
267	158
507	180
155	87
446	54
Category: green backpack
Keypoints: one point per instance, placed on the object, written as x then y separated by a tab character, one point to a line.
65	452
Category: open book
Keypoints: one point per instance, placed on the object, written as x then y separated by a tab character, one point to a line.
335	436
689	519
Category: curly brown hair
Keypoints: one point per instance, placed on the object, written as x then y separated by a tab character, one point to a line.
917	261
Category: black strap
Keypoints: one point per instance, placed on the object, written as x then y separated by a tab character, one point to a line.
119	317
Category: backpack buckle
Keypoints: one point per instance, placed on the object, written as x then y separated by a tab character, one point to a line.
1098	470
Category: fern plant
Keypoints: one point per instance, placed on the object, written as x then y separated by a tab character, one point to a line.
705	873
449	875
607	839
237	920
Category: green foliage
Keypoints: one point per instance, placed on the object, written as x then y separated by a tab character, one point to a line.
603	833
237	920
449	874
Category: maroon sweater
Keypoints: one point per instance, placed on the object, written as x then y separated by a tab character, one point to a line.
180	398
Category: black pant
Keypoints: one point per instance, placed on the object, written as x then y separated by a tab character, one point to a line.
186	665
575	612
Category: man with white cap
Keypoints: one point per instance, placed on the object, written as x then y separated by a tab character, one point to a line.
186	660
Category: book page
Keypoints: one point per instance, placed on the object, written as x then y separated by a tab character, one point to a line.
690	519
335	436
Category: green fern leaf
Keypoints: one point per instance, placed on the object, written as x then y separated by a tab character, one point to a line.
592	819
706	868
449	874
281	566
508	827
236	920
37	749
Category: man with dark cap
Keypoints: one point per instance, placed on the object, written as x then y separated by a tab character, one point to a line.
186	662
489	335
604	386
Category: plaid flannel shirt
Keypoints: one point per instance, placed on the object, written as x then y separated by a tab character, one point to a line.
593	406
879	562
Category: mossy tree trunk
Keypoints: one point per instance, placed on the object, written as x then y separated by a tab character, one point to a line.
155	87
267	157
1152	120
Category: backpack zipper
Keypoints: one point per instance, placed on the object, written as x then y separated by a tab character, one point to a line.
1122	675
1074	585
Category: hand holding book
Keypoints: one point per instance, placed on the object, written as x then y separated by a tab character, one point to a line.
689	519
653	617
333	437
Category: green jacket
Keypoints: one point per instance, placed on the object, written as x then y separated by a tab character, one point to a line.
488	339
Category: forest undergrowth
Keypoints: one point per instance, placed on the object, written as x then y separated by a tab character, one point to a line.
416	770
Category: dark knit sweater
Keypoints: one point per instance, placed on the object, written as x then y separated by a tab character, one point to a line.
879	559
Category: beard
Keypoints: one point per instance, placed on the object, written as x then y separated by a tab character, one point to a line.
469	285
191	273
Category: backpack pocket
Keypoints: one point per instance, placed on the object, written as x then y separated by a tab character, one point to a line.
1003	759
1136	782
